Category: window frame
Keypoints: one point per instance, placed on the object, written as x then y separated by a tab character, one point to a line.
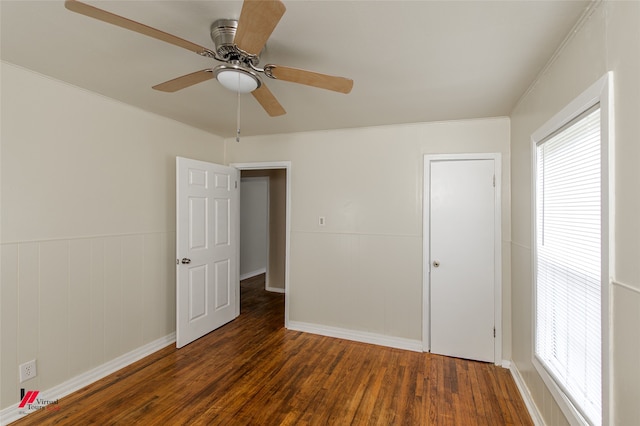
601	92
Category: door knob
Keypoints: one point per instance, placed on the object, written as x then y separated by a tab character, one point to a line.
436	263
185	260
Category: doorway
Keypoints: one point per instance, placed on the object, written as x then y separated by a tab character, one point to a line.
254	227
462	256
279	214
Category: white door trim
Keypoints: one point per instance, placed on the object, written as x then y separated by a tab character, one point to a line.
426	326
287	166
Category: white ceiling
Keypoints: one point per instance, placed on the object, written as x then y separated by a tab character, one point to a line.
411	61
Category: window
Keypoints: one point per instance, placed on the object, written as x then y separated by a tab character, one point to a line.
571	259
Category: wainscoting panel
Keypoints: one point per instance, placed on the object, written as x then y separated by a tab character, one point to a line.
76	304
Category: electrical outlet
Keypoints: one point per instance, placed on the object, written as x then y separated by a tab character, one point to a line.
27	370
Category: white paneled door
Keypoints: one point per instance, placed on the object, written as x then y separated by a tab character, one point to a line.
207	248
461	257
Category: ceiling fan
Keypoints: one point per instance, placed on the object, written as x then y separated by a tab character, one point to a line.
238	45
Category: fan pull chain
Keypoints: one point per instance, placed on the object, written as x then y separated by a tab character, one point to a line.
238	113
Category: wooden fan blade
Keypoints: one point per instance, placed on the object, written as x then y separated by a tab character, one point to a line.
310	78
269	102
110	18
258	19
185	81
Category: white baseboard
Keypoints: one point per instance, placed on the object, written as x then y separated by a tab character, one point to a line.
275	289
13	413
526	396
253	273
357	336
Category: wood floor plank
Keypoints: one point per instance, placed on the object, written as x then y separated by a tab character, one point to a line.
253	371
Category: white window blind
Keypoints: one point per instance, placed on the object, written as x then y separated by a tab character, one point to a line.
568	262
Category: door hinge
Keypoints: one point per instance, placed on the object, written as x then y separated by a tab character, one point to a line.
177	261
494	181
494	332
236	184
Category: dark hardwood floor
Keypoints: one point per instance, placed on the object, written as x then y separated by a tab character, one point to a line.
253	371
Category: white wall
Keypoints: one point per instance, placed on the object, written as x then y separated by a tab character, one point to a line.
87	227
609	40
254	226
362	271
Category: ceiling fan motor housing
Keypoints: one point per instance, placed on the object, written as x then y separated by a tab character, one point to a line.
223	32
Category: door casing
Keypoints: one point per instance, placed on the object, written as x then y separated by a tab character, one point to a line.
426	302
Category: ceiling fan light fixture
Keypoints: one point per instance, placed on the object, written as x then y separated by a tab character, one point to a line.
237	78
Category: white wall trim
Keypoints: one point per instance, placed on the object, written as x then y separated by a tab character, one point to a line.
626	286
275	289
536	417
357	336
85	237
13	413
253	273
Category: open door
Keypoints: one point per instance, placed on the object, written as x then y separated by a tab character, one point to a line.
207	230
